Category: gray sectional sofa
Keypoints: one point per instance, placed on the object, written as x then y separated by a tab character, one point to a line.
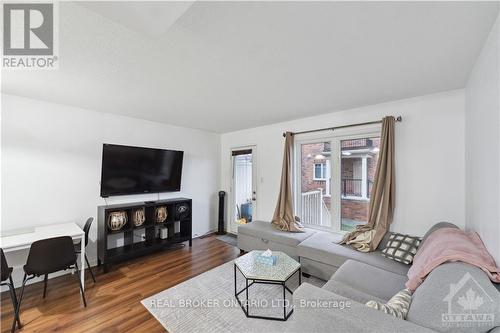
356	278
319	254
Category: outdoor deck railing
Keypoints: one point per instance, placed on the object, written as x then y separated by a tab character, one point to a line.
352	187
313	209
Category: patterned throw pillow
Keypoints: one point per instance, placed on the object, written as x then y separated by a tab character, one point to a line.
401	247
397	306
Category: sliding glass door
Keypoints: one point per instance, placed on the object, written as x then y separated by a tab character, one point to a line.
333	179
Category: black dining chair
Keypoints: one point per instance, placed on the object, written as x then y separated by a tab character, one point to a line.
6	274
78	248
48	256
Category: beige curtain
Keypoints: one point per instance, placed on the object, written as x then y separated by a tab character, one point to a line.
284	218
367	237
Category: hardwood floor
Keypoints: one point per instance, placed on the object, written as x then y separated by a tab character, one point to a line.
113	303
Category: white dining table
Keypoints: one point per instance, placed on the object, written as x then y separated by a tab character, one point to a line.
23	240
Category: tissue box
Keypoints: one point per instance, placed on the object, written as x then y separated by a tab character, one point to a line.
270	261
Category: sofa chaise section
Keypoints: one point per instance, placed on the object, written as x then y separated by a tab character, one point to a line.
319	310
436	300
362	282
260	235
317	251
320	256
436	304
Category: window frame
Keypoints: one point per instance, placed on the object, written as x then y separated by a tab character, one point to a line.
334	138
323	172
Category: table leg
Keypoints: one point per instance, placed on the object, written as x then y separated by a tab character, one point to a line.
248	313
235	289
284	300
82	262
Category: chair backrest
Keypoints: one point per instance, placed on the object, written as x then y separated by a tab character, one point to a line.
5	268
51	255
86	229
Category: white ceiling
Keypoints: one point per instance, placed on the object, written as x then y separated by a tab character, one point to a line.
223	66
152	19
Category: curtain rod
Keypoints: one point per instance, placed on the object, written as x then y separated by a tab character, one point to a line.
398	119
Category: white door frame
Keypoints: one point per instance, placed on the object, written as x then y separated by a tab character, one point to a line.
232	227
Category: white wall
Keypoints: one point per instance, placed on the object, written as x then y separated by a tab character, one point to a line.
429	157
51	164
483	144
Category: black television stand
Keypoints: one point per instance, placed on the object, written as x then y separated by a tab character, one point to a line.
132	241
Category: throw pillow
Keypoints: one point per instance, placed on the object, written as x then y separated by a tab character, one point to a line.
401	248
397	306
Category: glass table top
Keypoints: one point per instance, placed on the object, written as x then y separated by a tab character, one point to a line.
251	269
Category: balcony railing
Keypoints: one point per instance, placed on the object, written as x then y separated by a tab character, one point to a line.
313	210
352	187
356	143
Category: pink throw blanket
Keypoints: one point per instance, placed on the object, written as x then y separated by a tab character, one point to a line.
450	244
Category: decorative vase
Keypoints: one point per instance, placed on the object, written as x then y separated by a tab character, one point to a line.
161	214
139	217
182	211
116	220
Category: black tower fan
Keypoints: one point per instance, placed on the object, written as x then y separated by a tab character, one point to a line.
222	198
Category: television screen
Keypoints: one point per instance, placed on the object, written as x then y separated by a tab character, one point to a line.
133	170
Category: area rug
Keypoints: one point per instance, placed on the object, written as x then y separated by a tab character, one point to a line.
206	303
228	238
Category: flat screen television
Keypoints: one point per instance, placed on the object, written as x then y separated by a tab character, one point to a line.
133	170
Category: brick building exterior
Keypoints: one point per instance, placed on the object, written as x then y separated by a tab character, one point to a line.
358	167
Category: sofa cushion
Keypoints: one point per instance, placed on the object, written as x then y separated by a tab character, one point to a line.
401	247
265	231
370	280
317	269
249	243
326	317
321	247
345	290
397	306
455	289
